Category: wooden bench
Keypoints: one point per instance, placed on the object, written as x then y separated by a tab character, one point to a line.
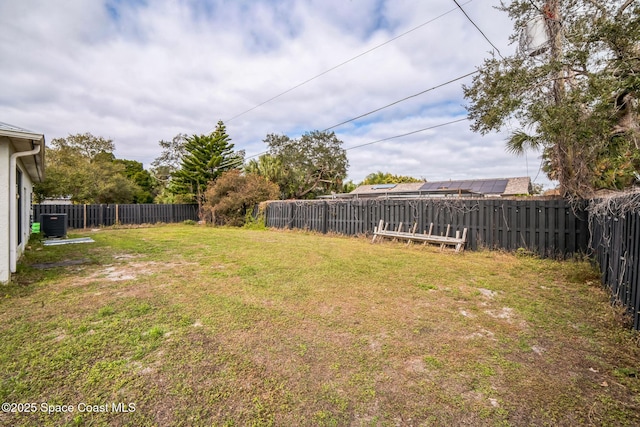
411	236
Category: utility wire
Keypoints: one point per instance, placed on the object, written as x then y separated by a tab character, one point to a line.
478	28
534	5
384	139
401	100
341	64
406	134
387	106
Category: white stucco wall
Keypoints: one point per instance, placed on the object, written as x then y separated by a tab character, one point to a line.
6	150
5	156
27	189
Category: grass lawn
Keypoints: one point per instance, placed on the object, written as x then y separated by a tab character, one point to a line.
189	325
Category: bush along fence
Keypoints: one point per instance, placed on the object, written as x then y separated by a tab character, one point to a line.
549	228
84	216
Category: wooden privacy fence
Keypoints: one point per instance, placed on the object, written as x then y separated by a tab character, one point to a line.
83	216
545	227
615	232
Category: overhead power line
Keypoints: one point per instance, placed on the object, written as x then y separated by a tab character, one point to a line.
373	142
406	134
341	64
478	28
401	100
387	106
374	111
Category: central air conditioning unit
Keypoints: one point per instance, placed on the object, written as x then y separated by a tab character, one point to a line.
53	225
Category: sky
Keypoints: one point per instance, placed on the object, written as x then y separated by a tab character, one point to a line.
139	72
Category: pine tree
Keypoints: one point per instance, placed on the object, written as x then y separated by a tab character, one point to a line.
205	158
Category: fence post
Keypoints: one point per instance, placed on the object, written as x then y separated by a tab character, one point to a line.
325	214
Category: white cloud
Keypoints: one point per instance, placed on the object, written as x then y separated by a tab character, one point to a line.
139	72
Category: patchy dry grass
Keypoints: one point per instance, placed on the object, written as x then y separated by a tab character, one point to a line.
203	326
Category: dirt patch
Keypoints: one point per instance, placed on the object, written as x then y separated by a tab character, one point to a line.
538	350
505	313
125	257
487	293
115	274
465	313
64	263
132	270
415	364
482	333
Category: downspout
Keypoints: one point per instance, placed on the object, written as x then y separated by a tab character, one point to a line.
13	232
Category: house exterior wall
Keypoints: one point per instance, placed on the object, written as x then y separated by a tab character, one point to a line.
25	203
6	150
5	156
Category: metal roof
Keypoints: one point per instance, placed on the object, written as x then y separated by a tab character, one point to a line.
12	128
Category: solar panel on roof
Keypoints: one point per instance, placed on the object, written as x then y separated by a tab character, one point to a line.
491	186
465	185
485	187
499	185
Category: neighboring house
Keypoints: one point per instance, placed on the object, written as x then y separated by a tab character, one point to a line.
21	165
501	187
57	201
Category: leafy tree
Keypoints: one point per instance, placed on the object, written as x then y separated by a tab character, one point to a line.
142	178
169	160
233	195
537	189
204	159
82	166
349	186
267	166
84	145
578	101
312	165
387	178
115	188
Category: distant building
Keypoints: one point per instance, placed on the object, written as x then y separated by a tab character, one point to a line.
57	201
21	166
500	187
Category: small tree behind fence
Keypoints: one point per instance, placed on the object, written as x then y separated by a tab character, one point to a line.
83	216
